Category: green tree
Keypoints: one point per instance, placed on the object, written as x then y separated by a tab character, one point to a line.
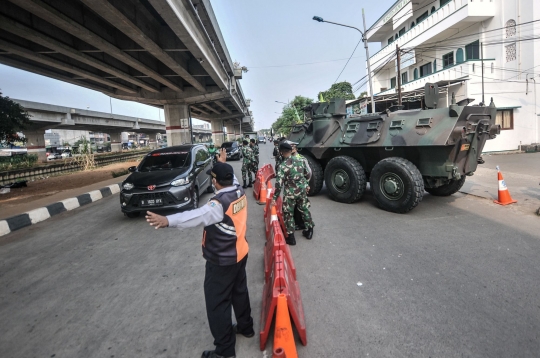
363	94
291	114
13	119
338	90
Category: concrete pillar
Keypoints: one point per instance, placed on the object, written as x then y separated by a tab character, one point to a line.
217	132
153	141
35	144
116	141
177	124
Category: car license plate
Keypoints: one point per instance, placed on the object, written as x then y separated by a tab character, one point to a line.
152	202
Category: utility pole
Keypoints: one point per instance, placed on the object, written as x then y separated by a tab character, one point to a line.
364	37
482	57
398	53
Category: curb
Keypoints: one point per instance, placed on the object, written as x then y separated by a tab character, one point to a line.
37	215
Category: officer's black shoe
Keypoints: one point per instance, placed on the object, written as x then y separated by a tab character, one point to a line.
244	186
212	354
249	184
480	160
308	234
290	240
299	227
247	334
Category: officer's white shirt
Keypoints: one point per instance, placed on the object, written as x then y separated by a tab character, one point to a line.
209	214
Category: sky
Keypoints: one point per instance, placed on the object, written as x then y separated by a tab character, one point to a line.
286	53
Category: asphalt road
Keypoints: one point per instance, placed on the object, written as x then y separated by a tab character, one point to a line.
456	277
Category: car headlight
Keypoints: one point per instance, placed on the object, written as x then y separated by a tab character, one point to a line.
128	186
181	181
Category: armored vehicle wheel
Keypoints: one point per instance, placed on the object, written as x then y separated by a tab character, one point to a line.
397	184
345	179
316	181
447	189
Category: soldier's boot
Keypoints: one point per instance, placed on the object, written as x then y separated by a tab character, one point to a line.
290	240
249	184
244	186
308	234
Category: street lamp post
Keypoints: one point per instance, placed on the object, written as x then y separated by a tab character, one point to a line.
364	39
289	104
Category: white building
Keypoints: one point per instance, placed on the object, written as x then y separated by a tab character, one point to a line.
444	42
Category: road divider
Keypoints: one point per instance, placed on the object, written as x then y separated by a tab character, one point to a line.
264	174
40	214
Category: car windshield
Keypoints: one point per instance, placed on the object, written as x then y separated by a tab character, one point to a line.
165	161
227	145
261	138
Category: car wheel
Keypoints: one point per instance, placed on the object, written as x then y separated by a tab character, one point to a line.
397	184
345	179
447	189
133	215
195	198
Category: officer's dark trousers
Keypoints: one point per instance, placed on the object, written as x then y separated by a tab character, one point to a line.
223	286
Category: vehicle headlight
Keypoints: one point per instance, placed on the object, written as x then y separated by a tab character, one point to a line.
181	181
128	186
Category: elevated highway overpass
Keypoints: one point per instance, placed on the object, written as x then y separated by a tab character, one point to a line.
47	116
168	54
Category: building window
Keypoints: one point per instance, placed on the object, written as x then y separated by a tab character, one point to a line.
397	36
401	32
412	24
390	40
505	119
422	17
444	2
510	52
434	66
448	59
433	9
393	82
415	73
472	50
459	55
510	28
425	69
404	78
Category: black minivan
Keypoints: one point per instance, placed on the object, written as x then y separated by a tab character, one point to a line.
170	178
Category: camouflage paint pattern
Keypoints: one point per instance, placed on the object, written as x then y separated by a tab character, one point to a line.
247	159
444	143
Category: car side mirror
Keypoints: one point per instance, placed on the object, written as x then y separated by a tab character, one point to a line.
200	163
132	169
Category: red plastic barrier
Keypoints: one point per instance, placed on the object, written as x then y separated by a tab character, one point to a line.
281	281
269	194
279	210
257	186
265	173
276	241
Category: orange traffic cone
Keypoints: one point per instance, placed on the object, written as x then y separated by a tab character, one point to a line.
283	335
279	353
504	194
273	213
262	195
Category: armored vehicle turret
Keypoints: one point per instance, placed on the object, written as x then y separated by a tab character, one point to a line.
402	153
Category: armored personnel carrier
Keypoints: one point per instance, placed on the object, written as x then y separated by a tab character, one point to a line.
402	153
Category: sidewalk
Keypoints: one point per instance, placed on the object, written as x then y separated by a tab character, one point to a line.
521	173
11	209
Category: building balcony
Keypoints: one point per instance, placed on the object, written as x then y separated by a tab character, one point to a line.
438	26
460	71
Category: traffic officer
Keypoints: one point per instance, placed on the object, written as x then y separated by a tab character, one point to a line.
225	249
255	162
292	177
298	222
247	159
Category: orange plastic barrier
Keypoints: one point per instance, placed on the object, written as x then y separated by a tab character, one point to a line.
276	241
283	333
264	174
281	282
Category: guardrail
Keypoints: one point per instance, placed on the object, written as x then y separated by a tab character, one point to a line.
11	176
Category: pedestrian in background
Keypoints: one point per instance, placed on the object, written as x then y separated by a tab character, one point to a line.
292	178
247	159
255	162
225	249
298	222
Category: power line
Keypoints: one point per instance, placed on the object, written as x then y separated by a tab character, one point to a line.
343	69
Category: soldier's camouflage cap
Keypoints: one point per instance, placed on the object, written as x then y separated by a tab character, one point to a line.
285	146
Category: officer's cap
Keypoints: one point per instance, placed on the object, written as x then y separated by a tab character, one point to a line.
245	142
221	171
285	147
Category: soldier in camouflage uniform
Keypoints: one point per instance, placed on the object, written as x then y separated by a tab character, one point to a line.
298	222
292	177
255	163
247	160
